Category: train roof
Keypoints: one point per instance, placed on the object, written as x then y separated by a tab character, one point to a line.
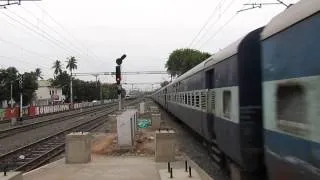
217	57
223	54
291	16
192	71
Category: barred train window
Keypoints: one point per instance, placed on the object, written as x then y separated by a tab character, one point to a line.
226	103
291	103
185	99
197	100
192	99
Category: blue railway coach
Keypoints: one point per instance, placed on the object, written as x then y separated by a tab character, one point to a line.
257	102
291	93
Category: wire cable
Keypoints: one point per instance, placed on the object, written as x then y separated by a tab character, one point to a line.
63	28
48	36
218	31
206	22
212	25
32	30
59	34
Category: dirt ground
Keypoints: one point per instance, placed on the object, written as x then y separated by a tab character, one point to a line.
105	143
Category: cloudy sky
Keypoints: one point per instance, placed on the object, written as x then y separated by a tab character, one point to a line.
97	32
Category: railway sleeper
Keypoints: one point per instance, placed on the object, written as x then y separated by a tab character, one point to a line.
42	150
215	149
216	158
53	144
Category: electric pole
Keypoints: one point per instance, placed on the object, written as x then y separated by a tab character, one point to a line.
21	89
11	100
71	93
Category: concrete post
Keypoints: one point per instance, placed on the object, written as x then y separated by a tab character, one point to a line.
155	121
165	146
126	128
78	147
154	109
142	107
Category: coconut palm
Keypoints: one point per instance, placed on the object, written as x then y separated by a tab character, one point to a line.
57	67
38	73
72	64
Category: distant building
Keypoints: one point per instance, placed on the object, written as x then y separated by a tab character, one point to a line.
47	94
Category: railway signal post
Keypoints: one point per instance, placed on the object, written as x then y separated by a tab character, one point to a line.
118	79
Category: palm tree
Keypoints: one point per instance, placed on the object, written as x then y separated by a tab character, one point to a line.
57	67
71	65
38	73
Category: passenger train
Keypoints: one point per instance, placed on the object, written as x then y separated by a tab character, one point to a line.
257	102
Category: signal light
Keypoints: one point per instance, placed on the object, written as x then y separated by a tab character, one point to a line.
118	74
119	60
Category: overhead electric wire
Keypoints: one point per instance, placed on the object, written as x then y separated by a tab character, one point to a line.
59	34
211	26
22	48
206	23
63	28
48	36
32	30
218	31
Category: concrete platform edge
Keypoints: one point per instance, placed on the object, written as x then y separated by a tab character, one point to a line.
200	171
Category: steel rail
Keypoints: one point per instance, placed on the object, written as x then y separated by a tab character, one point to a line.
38	153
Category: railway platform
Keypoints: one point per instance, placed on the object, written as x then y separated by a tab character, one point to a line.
115	168
109	161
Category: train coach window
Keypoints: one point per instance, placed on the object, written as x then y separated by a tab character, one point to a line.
197	100
291	103
226	103
192	99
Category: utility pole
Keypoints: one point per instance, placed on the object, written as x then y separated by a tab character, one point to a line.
100	91
11	100
96	75
71	93
21	88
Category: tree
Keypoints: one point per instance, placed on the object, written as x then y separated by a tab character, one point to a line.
62	80
38	73
164	83
72	64
29	85
57	67
182	60
8	76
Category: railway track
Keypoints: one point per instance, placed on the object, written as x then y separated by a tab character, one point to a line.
14	130
40	152
8	121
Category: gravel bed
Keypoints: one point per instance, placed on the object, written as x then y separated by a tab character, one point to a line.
191	147
13	142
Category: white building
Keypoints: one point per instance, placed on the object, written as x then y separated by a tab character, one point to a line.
47	95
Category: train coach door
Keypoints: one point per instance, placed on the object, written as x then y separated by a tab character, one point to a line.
209	121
